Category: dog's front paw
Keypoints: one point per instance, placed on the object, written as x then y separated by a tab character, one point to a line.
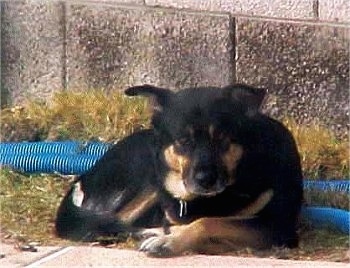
147	233
161	246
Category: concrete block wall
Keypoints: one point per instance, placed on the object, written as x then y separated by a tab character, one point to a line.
31	49
297	49
116	47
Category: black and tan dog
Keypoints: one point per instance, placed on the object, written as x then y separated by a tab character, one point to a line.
213	174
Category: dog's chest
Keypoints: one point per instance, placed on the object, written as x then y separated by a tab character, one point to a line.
182	212
178	211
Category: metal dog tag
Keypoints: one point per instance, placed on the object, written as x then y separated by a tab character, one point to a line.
183	208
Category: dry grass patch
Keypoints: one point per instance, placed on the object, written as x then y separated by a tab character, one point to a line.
28	206
323	156
89	115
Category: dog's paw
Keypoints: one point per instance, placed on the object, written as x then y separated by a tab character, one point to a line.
160	246
149	232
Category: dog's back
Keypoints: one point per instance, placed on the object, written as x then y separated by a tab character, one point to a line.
90	207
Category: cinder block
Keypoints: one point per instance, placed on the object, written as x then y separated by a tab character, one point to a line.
334	10
291	9
305	68
112	47
32	49
139	2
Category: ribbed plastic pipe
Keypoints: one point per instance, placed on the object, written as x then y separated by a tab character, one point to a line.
326	186
66	164
327	217
61	147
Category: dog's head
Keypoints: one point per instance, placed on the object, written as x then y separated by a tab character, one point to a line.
201	130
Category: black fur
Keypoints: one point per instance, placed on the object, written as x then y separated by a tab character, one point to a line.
269	160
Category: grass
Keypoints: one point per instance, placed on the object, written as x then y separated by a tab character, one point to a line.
89	115
315	244
29	202
322	154
327	199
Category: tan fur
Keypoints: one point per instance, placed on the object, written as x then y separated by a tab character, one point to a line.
213	235
173	182
231	158
258	204
178	163
207	235
138	206
175	161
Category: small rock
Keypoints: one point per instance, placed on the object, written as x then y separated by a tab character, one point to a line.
34	244
28	248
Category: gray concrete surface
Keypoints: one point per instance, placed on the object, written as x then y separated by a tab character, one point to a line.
334	10
32	49
292	9
310	67
84	256
13	257
299	50
114	47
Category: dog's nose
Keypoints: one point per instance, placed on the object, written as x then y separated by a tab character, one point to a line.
205	178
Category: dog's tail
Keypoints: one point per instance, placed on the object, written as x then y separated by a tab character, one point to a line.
79	223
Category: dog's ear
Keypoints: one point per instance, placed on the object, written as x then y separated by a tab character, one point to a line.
249	97
160	97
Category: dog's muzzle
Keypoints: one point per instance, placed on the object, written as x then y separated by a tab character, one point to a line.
206	178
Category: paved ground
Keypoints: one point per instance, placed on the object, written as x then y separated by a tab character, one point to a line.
85	256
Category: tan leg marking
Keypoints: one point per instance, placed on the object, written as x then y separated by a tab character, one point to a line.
206	235
258	204
231	158
138	206
211	235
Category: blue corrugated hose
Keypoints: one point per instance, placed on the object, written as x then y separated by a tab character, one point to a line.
66	157
61	147
49	162
71	157
327	217
327	186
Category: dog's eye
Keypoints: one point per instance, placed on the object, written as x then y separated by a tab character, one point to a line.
183	142
224	143
183	145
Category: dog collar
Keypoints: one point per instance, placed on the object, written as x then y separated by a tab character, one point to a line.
183	208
